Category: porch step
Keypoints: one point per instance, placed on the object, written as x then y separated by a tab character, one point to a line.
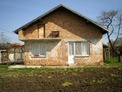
23	66
72	64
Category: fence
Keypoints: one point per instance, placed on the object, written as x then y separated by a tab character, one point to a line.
109	53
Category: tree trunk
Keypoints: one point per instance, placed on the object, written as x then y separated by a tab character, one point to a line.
119	58
120	54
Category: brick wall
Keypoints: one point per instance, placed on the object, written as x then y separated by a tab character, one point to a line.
70	27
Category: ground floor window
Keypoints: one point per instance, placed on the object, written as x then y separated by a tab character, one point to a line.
79	48
38	49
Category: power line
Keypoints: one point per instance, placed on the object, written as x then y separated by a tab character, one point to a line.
12	39
9	38
6	30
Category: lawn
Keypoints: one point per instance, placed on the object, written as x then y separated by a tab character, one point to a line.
107	78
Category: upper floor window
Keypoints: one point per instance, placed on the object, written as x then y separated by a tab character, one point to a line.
55	34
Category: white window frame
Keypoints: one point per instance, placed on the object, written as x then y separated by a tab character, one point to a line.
81	42
88	48
39	55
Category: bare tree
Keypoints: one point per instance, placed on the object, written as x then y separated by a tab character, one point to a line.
4	45
3	38
113	21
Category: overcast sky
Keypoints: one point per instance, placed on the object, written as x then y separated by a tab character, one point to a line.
15	13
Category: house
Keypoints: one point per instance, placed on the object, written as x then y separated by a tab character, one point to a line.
62	37
16	52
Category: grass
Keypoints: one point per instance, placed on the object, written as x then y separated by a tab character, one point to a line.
111	60
4	68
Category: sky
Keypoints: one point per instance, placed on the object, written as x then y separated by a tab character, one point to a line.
16	13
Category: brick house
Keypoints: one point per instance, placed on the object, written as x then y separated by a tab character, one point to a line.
62	37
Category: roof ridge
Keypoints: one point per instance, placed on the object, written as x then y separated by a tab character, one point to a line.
53	9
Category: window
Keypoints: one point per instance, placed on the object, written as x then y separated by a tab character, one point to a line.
55	34
85	48
38	50
79	48
71	48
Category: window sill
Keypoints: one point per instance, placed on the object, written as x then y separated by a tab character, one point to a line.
41	56
81	55
38	57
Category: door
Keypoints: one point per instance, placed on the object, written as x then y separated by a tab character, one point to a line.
71	53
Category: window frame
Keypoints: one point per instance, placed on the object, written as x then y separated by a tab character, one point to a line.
88	44
55	34
38	55
81	42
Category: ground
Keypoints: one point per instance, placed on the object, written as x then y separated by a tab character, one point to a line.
77	79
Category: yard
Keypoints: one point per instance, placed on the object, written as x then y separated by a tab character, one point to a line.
107	78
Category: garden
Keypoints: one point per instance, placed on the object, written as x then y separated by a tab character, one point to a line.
106	78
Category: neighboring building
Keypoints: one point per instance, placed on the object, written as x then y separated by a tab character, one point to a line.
3	52
16	53
62	37
1	55
11	52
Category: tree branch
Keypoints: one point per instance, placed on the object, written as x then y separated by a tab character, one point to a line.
119	28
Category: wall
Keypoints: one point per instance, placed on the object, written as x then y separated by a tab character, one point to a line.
96	54
18	57
71	28
56	54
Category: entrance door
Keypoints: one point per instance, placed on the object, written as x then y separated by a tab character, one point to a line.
71	53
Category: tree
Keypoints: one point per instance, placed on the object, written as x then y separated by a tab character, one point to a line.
119	42
4	41
3	38
113	21
4	45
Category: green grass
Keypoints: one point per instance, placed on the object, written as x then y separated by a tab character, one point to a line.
4	68
111	60
114	64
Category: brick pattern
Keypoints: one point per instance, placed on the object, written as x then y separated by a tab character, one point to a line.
56	54
69	27
95	57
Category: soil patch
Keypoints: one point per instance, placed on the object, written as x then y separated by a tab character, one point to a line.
65	80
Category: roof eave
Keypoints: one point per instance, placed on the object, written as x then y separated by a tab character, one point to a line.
40	17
